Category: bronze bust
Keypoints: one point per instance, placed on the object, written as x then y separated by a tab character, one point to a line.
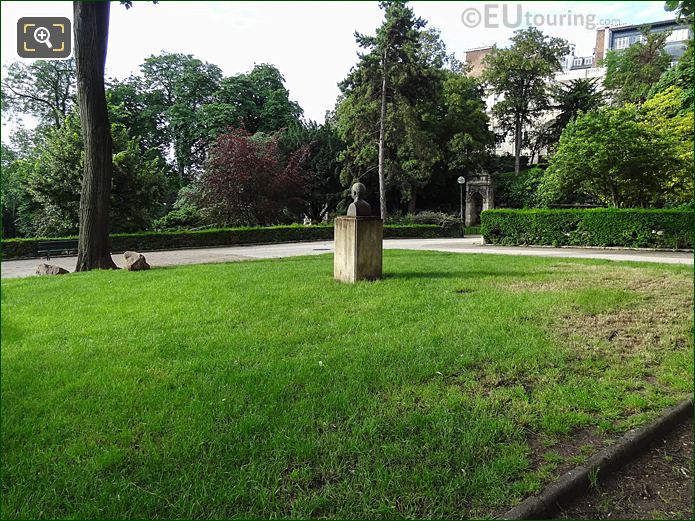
359	207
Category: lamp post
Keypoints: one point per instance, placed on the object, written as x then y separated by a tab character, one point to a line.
461	180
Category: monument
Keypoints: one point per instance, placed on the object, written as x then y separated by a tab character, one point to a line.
480	196
359	239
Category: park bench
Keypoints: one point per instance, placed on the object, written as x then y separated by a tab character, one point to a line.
57	247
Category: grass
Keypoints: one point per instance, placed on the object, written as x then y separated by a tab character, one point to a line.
265	389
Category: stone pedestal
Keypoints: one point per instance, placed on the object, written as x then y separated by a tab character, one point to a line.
358	248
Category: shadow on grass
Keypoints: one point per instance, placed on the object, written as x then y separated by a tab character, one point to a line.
468	274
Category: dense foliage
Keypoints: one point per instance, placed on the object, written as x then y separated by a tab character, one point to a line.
315	151
680	75
631	72
163	120
627	156
520	190
624	154
182	104
44	89
435	121
42	189
195	149
245	183
596	227
570	100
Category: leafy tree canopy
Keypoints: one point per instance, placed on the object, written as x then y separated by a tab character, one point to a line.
519	76
626	156
43	89
423	91
681	76
51	177
631	72
683	9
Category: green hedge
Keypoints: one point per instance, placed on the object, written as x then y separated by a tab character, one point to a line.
147	241
632	228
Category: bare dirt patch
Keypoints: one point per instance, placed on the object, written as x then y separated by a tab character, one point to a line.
569	452
656	485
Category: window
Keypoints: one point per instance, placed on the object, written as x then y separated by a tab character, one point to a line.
577	62
588	61
678	35
621	43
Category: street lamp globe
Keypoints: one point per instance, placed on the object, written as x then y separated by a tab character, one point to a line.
461	180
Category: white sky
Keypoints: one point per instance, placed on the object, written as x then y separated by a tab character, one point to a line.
311	43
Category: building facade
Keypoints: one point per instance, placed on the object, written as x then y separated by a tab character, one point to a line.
620	37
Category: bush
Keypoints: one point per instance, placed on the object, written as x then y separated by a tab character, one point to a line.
428	217
633	228
520	190
147	241
186	217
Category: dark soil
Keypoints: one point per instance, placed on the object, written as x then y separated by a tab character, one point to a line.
656	485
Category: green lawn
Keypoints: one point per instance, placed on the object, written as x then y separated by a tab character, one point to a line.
451	388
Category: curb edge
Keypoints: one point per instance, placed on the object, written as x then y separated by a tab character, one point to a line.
610	458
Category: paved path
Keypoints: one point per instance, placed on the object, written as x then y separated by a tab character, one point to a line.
23	268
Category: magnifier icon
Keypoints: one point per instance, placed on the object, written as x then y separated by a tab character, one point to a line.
43	35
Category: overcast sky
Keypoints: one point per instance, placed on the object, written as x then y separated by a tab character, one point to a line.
311	43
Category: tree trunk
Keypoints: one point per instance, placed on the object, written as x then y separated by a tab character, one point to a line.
615	197
182	171
413	201
91	20
517	145
382	131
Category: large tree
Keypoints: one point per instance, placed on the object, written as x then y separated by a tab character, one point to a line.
246	183
258	100
320	167
180	105
43	89
139	110
519	76
51	179
387	67
178	86
463	139
390	106
91	28
631	72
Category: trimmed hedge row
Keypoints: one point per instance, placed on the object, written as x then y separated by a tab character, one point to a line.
147	241
632	228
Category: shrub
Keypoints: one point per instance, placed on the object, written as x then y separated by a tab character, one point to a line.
186	217
428	217
633	228
519	190
147	241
